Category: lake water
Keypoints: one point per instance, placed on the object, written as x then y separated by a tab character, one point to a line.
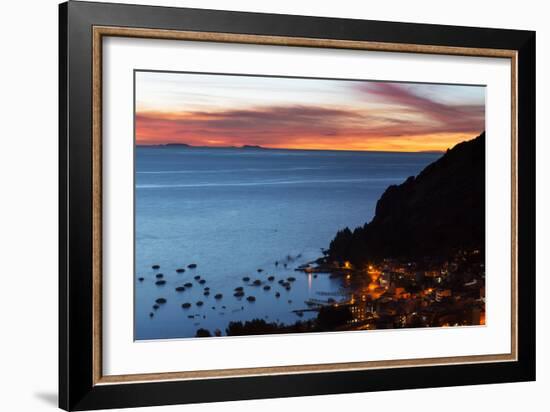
234	211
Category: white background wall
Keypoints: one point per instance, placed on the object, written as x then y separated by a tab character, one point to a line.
28	205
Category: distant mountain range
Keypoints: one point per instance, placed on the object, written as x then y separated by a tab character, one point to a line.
253	147
433	214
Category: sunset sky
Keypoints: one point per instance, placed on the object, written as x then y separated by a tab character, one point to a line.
222	110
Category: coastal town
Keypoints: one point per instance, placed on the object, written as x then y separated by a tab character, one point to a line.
399	294
391	294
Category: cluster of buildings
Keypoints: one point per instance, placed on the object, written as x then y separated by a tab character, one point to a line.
430	293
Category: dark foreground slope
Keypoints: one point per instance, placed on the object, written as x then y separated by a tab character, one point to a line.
433	214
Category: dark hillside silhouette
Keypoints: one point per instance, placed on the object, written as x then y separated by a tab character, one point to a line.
433	214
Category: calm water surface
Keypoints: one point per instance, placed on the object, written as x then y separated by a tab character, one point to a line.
234	211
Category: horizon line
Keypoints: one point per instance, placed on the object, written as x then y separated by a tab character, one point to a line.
256	147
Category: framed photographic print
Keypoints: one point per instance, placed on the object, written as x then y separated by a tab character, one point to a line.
257	205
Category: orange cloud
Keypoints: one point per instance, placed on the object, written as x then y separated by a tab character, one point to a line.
435	127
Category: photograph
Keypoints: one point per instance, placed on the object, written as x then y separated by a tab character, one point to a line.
279	205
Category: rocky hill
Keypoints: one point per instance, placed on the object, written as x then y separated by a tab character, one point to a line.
433	214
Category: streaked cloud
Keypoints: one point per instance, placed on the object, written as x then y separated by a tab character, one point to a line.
215	110
449	117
